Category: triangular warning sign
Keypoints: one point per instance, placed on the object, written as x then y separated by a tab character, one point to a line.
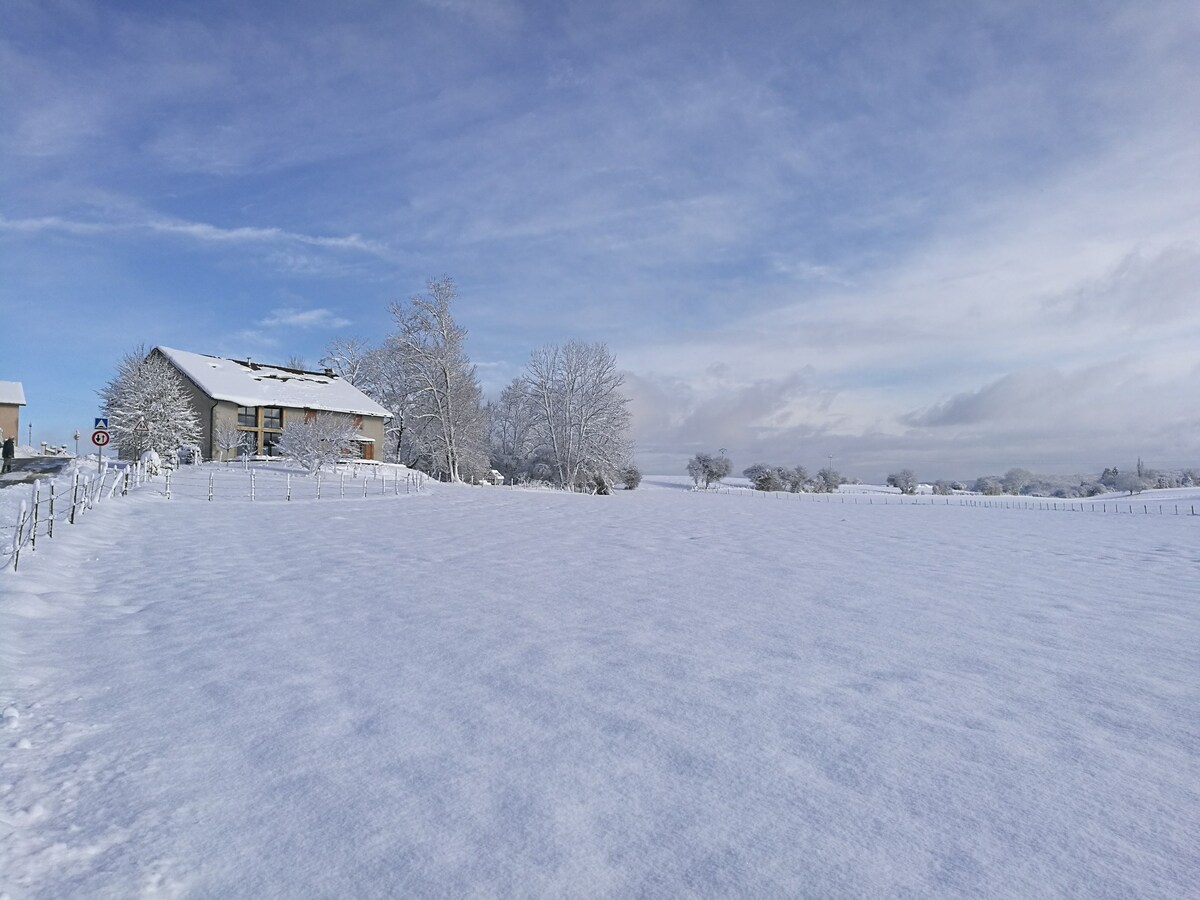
141	427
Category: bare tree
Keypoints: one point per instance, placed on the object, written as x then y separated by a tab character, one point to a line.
510	426
579	418
148	407
352	360
229	439
442	399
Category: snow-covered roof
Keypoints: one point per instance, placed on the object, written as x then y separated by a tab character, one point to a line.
249	383
11	392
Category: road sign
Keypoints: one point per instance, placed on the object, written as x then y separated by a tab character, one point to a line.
141	427
99	438
101	424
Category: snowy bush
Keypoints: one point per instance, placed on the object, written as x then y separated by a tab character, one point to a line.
631	477
151	463
321	441
777	478
764	477
905	480
827	481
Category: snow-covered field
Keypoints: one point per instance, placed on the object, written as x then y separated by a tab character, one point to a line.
484	691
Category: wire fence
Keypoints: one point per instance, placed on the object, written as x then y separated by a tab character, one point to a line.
216	483
58	502
1123	507
55	502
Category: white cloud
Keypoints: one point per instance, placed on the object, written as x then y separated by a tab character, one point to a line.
201	232
303	318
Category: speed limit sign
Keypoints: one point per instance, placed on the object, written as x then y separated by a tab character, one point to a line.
99	438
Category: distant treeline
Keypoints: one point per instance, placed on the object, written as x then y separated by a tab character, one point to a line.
1140	478
707	469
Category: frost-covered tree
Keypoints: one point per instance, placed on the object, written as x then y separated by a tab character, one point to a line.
318	442
1017	481
578	417
229	439
827	481
148	407
1130	482
352	360
905	480
510	427
706	469
989	485
795	479
440	395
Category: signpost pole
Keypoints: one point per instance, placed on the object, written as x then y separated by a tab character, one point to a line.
100	438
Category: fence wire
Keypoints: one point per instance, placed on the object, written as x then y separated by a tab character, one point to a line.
61	501
1123	507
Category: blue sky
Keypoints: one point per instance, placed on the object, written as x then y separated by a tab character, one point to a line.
954	237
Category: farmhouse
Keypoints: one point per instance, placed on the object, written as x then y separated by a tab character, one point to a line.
259	400
12	398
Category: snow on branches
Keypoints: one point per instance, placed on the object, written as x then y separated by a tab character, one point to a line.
577	415
321	441
148	407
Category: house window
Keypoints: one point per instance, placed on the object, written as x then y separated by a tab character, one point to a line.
263	426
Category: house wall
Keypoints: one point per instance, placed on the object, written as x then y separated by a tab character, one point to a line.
10	421
225	411
372	427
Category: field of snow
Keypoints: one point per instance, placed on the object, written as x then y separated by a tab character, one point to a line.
494	692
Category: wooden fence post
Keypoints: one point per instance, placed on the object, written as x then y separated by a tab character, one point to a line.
36	503
18	536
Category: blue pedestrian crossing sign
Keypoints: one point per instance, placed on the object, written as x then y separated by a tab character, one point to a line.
101	424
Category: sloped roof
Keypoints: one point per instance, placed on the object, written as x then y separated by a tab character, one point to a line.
255	384
11	392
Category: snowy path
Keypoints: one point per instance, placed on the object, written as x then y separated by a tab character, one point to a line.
475	692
